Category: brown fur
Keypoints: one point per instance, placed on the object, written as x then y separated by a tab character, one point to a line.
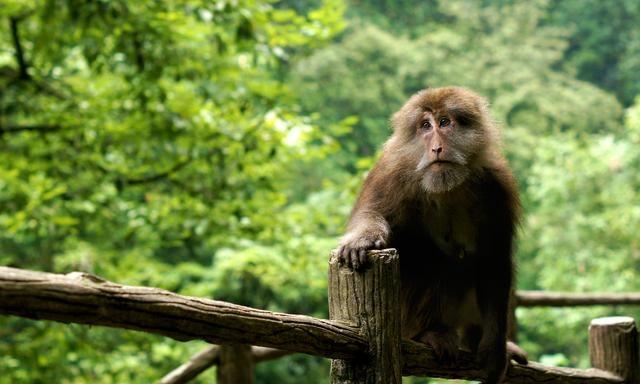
444	196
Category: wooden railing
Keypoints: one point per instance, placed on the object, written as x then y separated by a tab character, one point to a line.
530	299
570	299
362	338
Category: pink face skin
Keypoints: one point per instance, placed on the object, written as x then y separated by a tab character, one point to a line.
434	129
443	165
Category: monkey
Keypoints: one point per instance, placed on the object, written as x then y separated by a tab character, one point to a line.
444	196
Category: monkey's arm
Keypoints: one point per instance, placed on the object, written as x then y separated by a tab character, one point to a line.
369	230
368	226
495	270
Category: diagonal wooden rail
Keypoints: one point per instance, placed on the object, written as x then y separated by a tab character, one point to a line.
87	299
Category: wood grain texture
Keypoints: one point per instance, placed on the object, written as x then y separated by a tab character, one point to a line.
538	373
209	357
197	364
418	360
235	365
87	299
369	299
570	299
613	346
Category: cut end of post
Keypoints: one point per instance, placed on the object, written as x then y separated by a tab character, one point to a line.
386	255
613	346
613	320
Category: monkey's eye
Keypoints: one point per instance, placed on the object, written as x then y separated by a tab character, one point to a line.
426	125
444	122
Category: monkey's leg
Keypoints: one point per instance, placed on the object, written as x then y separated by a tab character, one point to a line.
470	338
493	296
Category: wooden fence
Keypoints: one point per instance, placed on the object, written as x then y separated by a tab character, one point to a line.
362	338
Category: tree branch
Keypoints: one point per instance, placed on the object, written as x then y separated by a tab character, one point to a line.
43	128
23	66
131	180
19	53
137	49
158	176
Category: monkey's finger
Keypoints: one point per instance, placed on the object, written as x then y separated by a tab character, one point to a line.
362	257
345	256
379	244
340	254
355	263
346	261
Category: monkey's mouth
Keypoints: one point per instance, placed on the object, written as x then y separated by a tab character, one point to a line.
442	162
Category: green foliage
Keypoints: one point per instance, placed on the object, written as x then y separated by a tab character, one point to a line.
215	149
603	39
604	45
510	58
153	143
583	209
361	76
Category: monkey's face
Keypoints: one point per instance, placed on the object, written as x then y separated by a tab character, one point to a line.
443	164
445	131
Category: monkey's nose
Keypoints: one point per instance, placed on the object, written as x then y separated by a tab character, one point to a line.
437	149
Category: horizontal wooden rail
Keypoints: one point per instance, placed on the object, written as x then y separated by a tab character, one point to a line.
418	360
87	299
569	299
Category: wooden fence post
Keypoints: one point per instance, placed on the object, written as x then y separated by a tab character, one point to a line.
235	365
613	346
368	299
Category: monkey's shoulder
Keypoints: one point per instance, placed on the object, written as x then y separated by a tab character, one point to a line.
498	194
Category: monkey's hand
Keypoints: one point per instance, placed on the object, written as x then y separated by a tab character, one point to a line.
517	354
444	344
353	248
494	359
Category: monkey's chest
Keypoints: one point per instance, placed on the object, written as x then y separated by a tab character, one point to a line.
453	231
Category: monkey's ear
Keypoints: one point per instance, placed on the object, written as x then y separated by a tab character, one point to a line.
404	123
405	120
399	121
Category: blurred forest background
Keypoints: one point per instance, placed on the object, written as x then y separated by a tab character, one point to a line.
214	148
